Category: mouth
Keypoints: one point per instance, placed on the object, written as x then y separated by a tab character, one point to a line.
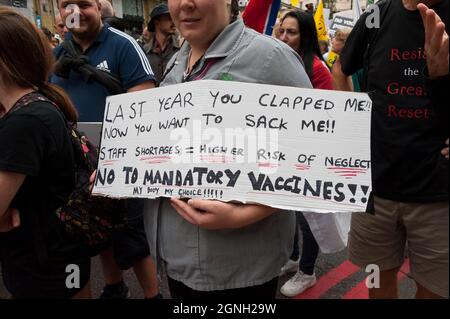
189	21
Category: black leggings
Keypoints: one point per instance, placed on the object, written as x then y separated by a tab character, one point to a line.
267	291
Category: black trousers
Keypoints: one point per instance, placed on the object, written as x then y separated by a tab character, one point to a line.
267	291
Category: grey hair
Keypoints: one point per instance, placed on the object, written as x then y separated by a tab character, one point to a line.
106	9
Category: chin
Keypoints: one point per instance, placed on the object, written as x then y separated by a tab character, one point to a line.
78	31
81	31
190	35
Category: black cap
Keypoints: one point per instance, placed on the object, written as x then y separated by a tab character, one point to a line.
157	11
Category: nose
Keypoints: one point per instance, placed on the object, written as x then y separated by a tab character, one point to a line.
187	5
283	37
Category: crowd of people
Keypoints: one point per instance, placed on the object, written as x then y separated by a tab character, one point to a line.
212	250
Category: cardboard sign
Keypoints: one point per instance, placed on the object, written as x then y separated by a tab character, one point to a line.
340	22
284	147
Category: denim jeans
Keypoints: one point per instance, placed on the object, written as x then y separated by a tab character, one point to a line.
310	248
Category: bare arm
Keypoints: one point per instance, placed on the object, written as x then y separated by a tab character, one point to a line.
341	82
9	186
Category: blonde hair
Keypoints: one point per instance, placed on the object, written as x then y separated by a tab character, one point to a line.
342	35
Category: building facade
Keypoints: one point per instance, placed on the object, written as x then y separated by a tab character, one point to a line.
136	12
42	12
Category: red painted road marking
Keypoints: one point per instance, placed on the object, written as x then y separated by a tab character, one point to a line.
329	280
360	291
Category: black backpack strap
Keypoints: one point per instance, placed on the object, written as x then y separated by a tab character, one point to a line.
29	98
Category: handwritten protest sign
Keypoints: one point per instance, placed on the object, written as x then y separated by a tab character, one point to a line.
341	22
284	147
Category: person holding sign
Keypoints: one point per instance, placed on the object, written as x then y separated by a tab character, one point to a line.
211	249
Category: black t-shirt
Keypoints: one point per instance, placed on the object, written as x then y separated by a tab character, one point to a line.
34	141
440	96
407	136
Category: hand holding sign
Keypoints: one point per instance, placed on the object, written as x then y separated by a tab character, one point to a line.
213	215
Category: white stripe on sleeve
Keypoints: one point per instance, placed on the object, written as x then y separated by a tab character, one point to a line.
142	56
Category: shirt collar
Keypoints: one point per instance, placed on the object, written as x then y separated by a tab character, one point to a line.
172	43
225	44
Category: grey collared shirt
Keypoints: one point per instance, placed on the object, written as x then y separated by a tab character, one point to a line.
159	60
227	259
